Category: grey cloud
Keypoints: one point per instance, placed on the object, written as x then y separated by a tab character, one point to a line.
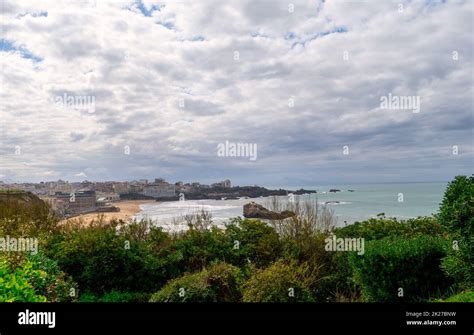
76	137
202	107
337	102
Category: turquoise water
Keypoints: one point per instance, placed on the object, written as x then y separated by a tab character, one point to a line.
366	201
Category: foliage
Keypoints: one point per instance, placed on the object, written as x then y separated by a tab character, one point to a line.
105	258
115	296
341	285
195	249
253	241
456	211
16	284
283	281
218	283
457	215
302	237
412	264
466	296
56	286
24	214
241	243
375	229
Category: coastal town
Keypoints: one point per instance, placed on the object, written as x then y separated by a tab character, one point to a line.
69	199
74	198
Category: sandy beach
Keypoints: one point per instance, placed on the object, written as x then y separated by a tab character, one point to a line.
128	209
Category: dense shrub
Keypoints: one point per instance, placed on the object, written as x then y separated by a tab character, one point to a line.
254	241
115	296
33	278
219	282
101	259
375	229
283	281
412	264
466	296
343	284
55	285
456	211
241	243
457	215
195	249
16	284
340	284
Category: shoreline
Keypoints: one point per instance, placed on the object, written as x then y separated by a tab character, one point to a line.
128	209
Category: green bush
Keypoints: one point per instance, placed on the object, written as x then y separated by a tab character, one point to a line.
195	249
283	281
115	296
375	229
457	215
456	211
340	283
310	250
38	276
218	283
103	259
16	284
341	286
254	241
466	296
55	285
412	264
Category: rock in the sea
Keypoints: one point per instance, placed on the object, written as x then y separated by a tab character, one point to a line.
334	190
256	211
303	191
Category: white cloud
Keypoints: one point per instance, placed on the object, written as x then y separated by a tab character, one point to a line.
140	68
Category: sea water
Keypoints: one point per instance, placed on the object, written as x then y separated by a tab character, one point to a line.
400	200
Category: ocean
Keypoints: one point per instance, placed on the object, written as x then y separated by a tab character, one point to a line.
400	200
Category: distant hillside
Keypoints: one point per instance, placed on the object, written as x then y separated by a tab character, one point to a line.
24	204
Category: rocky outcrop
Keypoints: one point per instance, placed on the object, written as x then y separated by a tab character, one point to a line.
256	211
334	190
302	191
220	193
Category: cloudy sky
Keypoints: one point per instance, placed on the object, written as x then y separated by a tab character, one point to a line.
165	83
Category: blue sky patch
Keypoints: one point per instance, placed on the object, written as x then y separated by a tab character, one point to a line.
303	41
7	46
147	12
167	25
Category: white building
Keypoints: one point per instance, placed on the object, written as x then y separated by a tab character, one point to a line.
161	190
107	197
224	184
